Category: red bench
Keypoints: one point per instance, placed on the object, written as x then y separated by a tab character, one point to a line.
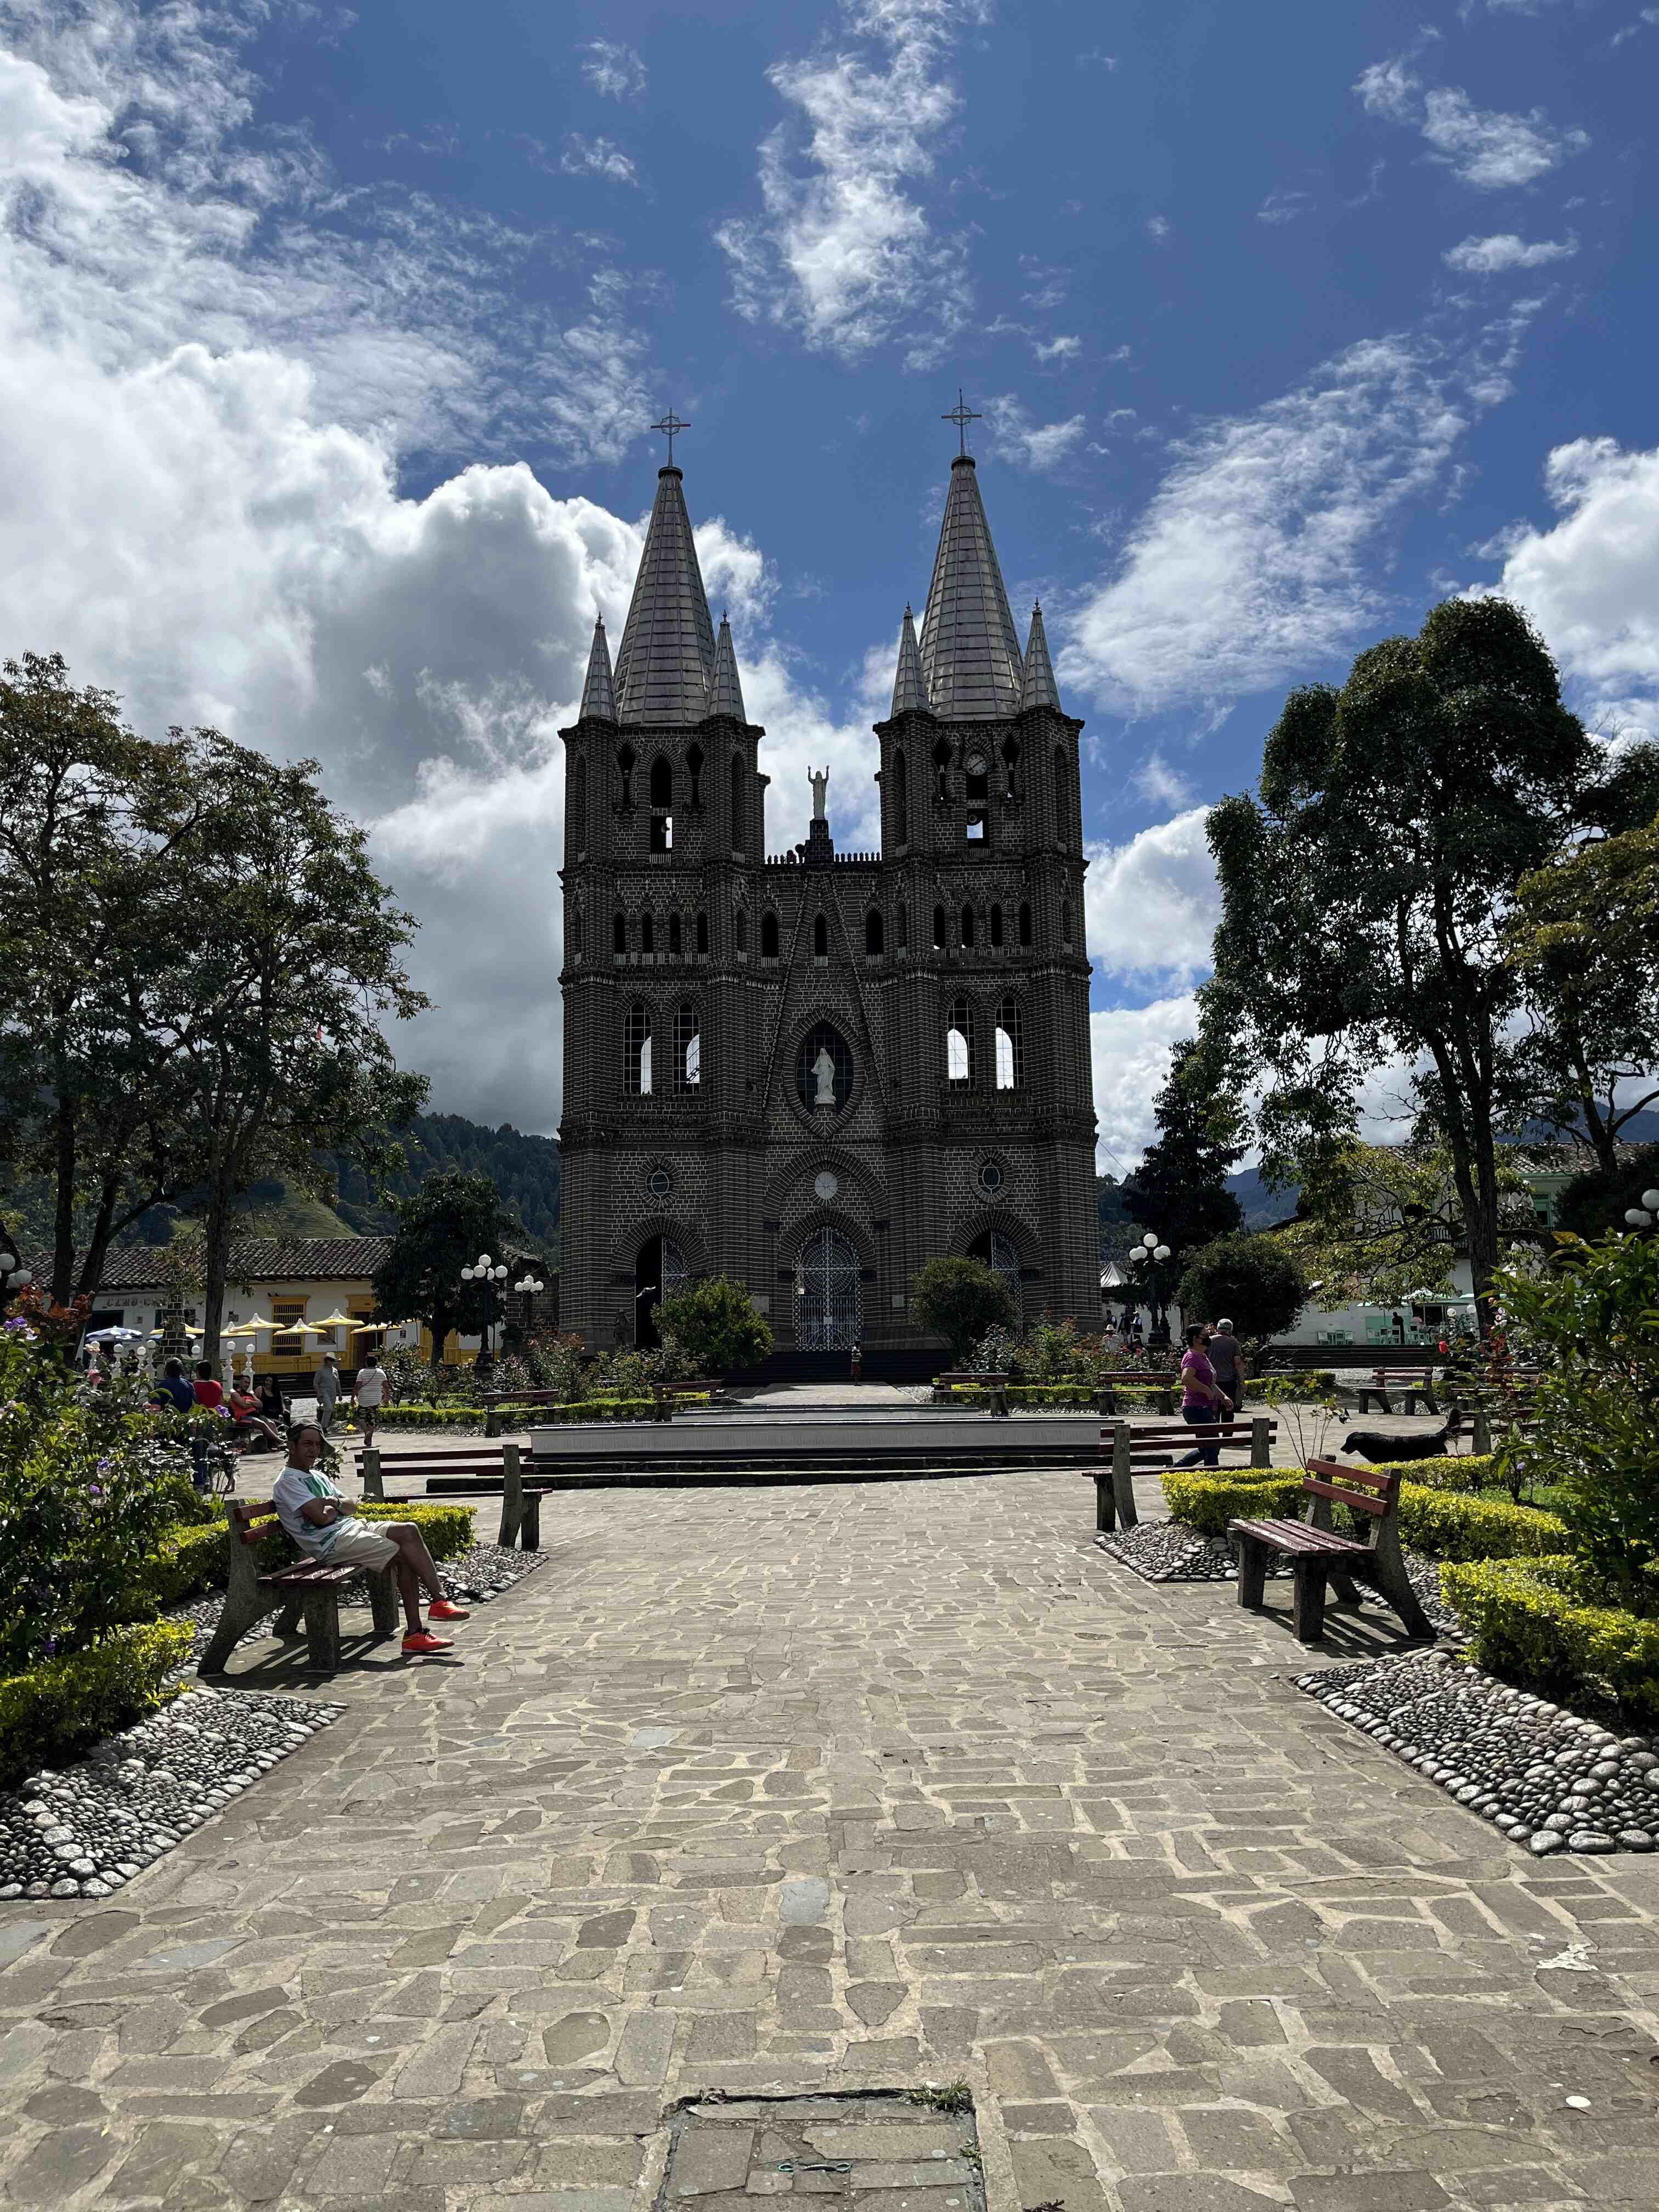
1318	1555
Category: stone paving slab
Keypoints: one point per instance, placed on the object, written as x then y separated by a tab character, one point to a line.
831	1790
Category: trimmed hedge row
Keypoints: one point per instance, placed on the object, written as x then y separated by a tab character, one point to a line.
1537	1623
471	1419
57	1708
1439	1523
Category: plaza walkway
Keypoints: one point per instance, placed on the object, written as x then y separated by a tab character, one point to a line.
839	1787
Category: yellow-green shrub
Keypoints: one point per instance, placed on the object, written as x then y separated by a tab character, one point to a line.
448	1530
1531	1622
1449	1526
56	1707
1208	1501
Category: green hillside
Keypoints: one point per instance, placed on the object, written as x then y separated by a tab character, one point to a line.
525	1170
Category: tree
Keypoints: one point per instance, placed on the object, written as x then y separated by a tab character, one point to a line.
716	1324
441	1228
960	1300
1252	1281
274	1024
1367	892
1596	1202
1582	937
1378	1223
1180	1188
93	923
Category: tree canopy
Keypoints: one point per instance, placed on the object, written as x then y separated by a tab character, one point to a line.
716	1324
1180	1188
441	1228
961	1300
1251	1280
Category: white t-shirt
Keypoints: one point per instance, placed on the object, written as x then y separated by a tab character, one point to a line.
371	1386
295	1488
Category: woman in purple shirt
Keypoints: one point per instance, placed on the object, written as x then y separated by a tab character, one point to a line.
1202	1397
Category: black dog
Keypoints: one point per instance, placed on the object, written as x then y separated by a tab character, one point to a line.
1372	1445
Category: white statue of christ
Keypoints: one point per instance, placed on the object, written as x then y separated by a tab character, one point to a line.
824	1069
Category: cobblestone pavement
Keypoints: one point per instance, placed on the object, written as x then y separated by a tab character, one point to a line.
840	1789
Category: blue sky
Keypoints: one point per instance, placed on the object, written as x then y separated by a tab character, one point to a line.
330	339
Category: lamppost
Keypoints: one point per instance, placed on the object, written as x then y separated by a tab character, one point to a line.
487	1272
529	1286
1641	1217
14	1275
1151	1255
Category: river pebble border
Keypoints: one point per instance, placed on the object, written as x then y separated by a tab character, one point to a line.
1175	1551
87	1829
1546	1778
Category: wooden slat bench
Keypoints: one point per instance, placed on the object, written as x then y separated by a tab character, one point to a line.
958	1378
1131	1448
1409	1383
310	1587
1317	1554
521	1506
1163	1390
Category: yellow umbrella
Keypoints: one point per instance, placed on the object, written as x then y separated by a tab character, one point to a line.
367	1327
332	1321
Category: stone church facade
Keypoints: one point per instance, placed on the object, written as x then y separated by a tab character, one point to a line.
813	1073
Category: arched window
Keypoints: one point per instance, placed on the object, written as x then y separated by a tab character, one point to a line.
637	1068
959	1043
1000	1256
576	931
903	927
1062	811
823	1069
820	938
619	933
694	770
1011	762
1024	926
874	937
967	929
576	830
938	929
1010	1047
743	930
737	802
662	805
768	935
1065	923
941	762
702	936
648	933
978	777
673	937
688	1049
625	775
901	800
996	928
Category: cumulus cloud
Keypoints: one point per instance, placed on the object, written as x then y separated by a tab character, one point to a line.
597	157
1015	437
1152	904
616	70
844	250
1158	228
1483	147
1131	1047
1255	558
1489	257
1587	581
1058	349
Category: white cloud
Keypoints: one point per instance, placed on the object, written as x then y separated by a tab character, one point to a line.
1159	784
1255	557
1646	21
1152	904
1058	349
1158	228
1484	147
1015	437
1131	1047
1587	581
844	251
597	157
1282	205
616	70
1489	257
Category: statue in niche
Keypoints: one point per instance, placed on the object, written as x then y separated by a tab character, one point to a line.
824	1069
819	779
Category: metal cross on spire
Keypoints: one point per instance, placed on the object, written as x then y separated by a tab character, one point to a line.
961	416
672	425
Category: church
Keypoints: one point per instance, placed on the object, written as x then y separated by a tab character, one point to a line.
814	1071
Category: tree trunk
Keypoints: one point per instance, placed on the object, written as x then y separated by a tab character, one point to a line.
215	1262
62	1238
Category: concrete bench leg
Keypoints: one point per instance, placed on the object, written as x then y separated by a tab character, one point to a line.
322	1611
1308	1600
241	1612
1105	1513
287	1614
530	1522
511	1496
1123	1477
1252	1572
383	1601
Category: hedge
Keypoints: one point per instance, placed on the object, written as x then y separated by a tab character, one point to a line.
1208	1501
1435	1522
1531	1624
57	1708
1315	1382
472	1418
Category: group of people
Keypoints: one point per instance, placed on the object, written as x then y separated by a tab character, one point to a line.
368	1392
1212	1383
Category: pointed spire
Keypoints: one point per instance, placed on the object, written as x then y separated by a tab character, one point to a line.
668	659
909	692
1038	688
726	693
971	660
598	692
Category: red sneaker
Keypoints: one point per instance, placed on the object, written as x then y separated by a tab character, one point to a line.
446	1609
423	1640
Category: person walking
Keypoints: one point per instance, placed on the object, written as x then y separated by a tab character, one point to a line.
369	1392
1202	1399
1226	1356
328	1389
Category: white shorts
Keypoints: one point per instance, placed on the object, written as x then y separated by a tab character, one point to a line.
358	1544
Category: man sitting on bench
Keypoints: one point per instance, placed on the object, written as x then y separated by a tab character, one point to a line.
324	1527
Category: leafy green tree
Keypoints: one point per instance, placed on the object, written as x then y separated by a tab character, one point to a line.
1596	1202
1180	1188
1582	939
716	1324
960	1300
441	1228
1252	1280
1376	1223
1367	893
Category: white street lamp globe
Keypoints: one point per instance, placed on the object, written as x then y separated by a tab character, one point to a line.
466	1274
1149	1240
1162	1252
482	1261
1636	1217
1651	1199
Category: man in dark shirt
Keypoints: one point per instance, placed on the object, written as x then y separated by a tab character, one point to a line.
172	1389
1227	1357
